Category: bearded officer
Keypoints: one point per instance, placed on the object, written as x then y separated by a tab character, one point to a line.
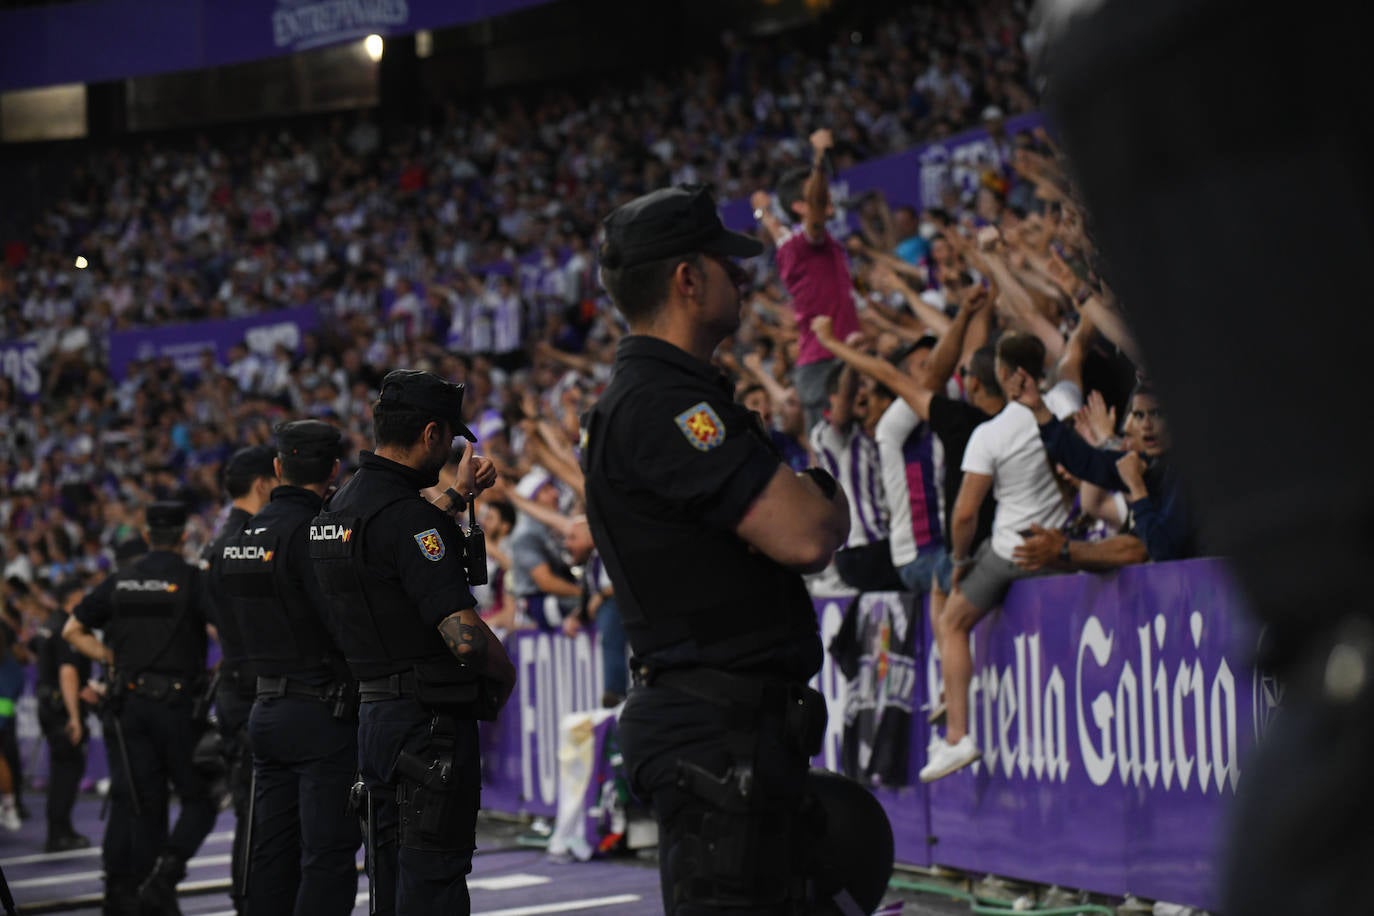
427	665
706	534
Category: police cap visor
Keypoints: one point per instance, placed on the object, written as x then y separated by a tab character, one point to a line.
426	392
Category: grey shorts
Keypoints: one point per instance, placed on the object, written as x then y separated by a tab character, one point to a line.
810	381
986	583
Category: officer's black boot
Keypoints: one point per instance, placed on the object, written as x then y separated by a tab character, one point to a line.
158	892
121	898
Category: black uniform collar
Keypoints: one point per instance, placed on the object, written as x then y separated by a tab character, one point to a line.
415	479
643	346
289	493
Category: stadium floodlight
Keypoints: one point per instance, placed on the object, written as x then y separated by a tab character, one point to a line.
372	44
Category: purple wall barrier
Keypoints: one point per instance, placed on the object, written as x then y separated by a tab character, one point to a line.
1114	713
908	177
185	342
557	675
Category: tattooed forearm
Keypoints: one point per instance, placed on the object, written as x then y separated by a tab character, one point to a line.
467	641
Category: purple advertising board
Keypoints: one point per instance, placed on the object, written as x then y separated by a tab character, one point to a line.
913	176
185	343
1114	713
19	363
70	42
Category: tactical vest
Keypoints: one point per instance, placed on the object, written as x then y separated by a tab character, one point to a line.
150	629
737	603
231	640
379	631
283	633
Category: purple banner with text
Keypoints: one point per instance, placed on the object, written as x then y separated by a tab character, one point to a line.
41	45
918	176
185	343
1114	713
19	363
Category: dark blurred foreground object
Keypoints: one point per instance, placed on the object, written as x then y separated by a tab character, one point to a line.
1223	154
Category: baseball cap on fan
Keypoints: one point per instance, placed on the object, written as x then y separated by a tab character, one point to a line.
671	221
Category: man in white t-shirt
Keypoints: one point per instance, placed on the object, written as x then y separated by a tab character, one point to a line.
1004	455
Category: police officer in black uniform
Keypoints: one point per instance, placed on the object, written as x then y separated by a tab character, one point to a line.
304	725
62	674
427	665
153	616
249	478
706	534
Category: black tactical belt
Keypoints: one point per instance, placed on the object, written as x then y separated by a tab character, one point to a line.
719	687
272	687
391	687
156	686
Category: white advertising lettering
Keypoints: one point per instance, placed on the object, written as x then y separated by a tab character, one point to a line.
1134	720
303	24
557	675
20	366
267	337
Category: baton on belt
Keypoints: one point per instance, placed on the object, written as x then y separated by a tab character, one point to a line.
124	761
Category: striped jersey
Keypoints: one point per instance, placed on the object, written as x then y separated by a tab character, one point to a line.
851	456
913	468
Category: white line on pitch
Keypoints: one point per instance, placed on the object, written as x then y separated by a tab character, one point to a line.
567	906
506	882
93	850
69	878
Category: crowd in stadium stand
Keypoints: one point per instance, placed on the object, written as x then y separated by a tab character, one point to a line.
467	246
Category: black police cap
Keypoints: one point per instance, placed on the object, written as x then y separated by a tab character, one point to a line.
165	514
308	438
671	221
426	392
251	463
130	547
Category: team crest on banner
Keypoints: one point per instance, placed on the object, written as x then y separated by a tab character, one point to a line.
702	426
431	545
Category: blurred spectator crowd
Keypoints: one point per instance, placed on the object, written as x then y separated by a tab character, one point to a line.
467	246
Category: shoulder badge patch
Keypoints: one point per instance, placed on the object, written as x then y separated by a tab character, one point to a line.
431	544
702	426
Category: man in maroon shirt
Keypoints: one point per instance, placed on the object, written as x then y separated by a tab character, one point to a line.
813	267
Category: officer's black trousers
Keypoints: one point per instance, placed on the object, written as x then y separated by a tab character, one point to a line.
305	835
414	873
231	714
160	740
66	766
727	855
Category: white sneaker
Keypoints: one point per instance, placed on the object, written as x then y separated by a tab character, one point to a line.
945	758
9	818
